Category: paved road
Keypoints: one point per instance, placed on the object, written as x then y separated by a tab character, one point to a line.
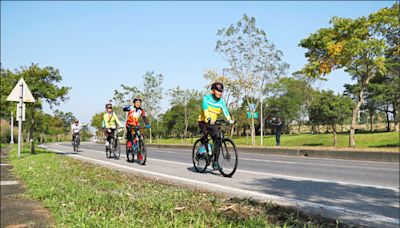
361	192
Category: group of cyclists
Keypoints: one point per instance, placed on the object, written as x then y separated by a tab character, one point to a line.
212	105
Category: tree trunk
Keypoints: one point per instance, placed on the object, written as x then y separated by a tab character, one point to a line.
396	117
253	132
31	130
387	118
186	125
334	135
352	141
299	127
151	136
371	119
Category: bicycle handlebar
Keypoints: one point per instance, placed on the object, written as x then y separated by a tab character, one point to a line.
223	121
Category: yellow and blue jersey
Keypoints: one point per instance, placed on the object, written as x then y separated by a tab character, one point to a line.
211	108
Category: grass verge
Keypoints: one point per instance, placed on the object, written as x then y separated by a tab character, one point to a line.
363	140
80	194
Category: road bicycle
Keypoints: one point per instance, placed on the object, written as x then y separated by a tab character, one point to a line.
76	142
136	146
113	150
223	148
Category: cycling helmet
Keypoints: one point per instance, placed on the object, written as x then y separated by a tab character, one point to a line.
108	105
137	99
218	86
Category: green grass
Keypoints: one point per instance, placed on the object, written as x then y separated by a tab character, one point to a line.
363	140
80	194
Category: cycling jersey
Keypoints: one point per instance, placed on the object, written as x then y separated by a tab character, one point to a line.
109	120
134	115
75	129
211	108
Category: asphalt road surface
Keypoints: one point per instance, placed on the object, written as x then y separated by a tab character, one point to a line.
357	192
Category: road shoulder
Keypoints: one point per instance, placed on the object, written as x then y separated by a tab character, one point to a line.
16	209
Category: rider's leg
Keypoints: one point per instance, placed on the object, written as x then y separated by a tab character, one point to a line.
204	132
106	135
216	137
128	137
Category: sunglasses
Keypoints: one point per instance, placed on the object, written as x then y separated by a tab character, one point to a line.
109	107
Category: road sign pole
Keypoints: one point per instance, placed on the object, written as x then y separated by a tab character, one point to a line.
262	124
21	90
12	128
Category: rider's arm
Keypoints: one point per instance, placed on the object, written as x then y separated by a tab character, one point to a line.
127	108
225	110
104	123
117	120
144	117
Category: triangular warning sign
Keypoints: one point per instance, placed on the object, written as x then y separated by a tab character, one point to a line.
16	92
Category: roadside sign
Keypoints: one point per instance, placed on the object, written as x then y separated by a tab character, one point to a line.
252	107
20	93
15	93
255	115
21	116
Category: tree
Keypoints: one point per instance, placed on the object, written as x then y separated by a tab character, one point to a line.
186	99
330	109
43	83
253	60
96	122
152	95
355	45
289	96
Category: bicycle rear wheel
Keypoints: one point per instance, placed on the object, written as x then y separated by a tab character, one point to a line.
228	158
129	153
142	153
199	160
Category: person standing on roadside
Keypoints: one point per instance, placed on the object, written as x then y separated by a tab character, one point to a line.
278	130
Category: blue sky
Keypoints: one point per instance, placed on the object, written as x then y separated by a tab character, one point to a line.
99	45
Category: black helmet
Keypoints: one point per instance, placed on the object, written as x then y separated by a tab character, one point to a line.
217	86
137	99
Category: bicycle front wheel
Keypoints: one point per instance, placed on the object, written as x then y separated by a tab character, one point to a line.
228	158
142	153
200	161
117	150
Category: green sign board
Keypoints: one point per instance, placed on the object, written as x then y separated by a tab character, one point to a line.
255	115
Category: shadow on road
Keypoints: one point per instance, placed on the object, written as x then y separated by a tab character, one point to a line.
377	201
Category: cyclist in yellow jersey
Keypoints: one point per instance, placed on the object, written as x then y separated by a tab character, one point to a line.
211	107
110	123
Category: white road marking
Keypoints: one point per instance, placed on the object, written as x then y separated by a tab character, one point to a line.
4	164
294	162
291	156
3	183
366	216
288	177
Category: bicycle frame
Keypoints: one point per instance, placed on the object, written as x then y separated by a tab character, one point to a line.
136	131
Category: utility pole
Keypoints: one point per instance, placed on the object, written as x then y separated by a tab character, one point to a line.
12	128
262	123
